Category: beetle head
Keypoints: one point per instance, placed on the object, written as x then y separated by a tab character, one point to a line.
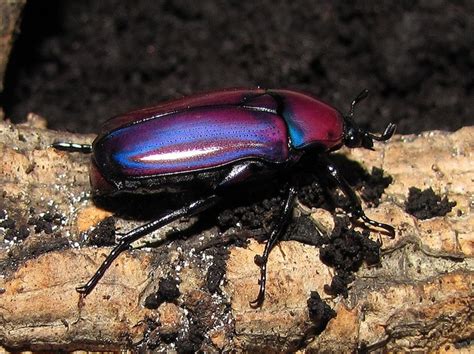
357	137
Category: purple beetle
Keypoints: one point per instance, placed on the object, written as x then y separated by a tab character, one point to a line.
212	141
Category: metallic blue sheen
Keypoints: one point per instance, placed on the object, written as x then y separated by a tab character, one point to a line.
195	139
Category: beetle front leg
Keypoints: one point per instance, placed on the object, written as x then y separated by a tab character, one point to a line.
262	260
133	235
355	206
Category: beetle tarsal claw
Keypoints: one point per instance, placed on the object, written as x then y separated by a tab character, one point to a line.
388	228
258	301
82	289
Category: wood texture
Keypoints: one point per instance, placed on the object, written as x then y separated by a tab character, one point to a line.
419	299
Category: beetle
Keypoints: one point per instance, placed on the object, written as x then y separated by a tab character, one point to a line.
213	141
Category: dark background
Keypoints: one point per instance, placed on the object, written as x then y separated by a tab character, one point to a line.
78	63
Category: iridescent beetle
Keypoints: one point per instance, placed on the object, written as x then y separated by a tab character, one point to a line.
213	141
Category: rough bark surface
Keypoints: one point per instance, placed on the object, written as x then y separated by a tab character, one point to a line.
419	298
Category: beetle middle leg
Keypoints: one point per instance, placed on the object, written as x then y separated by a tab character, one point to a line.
133	235
262	260
355	206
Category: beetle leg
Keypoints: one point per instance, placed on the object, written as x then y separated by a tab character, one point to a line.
261	261
133	235
239	173
355	207
72	147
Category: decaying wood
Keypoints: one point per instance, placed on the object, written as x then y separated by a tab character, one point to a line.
419	299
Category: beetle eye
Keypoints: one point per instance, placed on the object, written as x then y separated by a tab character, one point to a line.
352	138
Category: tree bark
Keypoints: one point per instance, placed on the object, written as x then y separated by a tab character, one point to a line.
419	298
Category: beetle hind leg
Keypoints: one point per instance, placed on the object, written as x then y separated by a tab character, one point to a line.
133	235
261	261
72	147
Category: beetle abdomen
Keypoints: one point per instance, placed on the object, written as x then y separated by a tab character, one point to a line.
194	139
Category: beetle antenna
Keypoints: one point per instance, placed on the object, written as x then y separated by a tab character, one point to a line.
362	95
387	134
